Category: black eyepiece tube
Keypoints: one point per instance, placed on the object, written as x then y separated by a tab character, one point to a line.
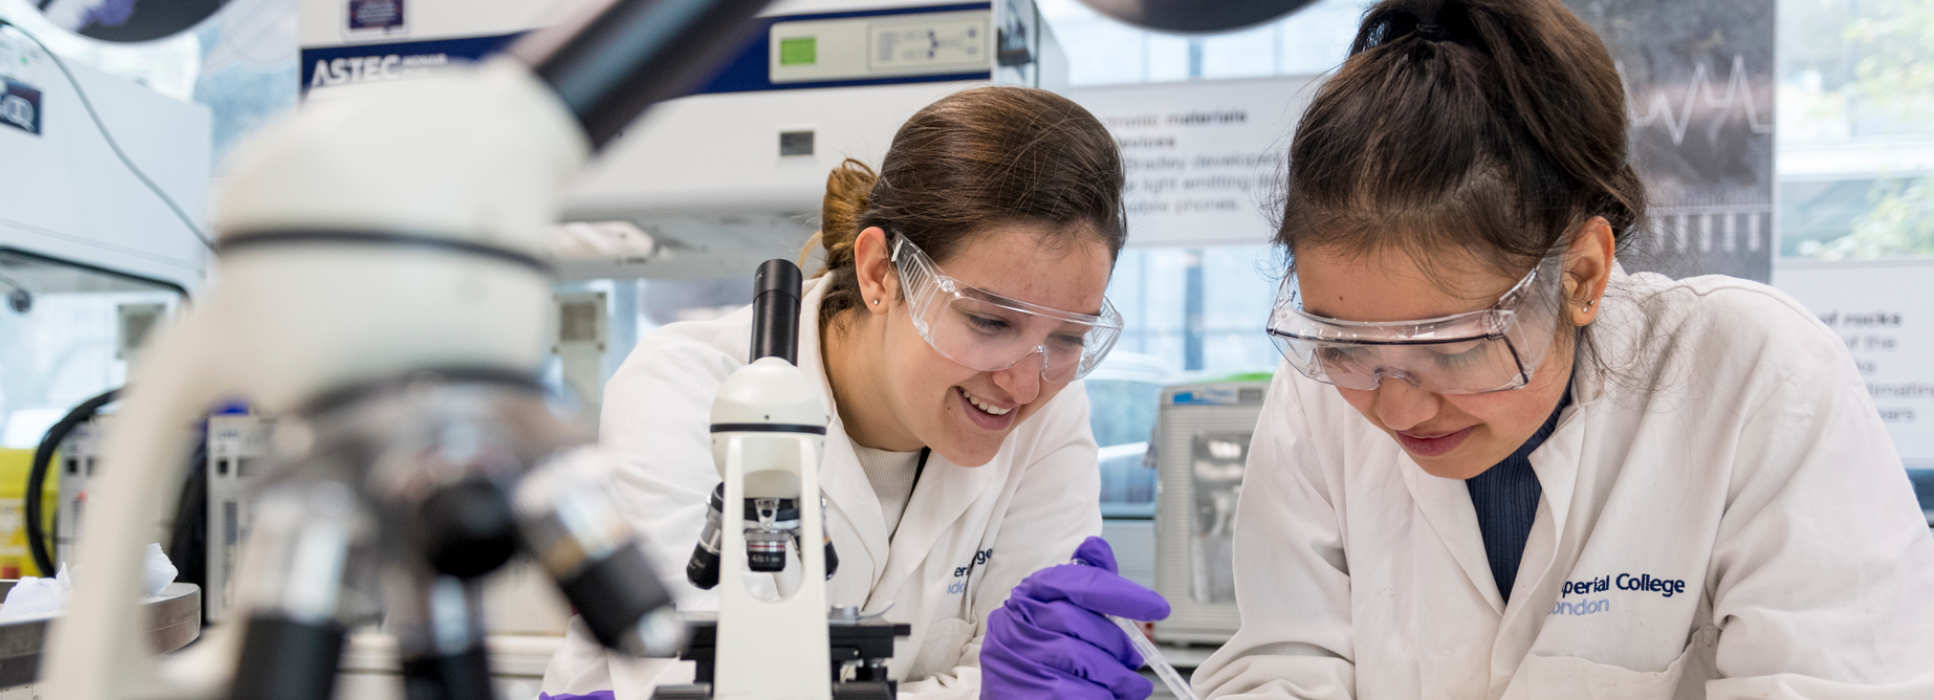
618	57
775	311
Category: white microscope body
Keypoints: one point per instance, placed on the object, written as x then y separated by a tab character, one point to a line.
768	427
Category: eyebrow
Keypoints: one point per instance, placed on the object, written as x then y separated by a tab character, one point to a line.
1314	311
998	298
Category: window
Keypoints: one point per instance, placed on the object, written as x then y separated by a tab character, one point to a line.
1855	145
1192	313
71	331
1856	195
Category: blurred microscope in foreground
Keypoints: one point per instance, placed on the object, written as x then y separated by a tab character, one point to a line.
396	329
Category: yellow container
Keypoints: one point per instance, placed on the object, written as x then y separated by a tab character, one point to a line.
15	560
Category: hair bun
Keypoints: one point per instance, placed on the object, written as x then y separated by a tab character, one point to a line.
849	188
1432	21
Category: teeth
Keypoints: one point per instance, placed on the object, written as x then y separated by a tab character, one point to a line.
985	406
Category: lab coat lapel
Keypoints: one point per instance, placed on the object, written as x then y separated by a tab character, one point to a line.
840	477
945	491
1446	505
1556	465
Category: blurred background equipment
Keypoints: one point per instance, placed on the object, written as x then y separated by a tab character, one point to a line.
1202	448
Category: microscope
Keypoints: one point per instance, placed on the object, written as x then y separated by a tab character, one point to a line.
768	429
381	285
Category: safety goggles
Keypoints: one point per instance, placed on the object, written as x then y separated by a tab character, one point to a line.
987	332
1492	349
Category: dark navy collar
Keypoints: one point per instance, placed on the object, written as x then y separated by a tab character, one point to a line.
1523	453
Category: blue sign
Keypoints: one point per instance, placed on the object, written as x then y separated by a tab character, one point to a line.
20	106
363	63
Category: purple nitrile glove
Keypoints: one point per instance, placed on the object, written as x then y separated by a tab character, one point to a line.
1050	640
600	695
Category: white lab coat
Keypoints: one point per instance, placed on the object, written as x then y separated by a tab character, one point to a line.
1739	454
969	534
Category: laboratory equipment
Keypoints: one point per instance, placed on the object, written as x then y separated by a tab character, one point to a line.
817	81
417	442
92	239
238	449
79	452
1153	658
711	184
769	526
1202	446
211	517
768	427
79	457
580	345
1496	348
95	180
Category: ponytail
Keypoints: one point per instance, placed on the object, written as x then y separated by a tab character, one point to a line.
848	189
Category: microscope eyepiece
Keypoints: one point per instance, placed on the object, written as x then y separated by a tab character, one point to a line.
775	311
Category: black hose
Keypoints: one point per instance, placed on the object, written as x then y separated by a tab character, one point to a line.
188	541
41	542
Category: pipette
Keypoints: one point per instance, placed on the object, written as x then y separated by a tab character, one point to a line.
1154	659
1151	656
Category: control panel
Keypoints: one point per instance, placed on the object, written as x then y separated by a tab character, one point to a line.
884	46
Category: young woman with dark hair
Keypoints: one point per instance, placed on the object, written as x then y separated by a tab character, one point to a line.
1496	464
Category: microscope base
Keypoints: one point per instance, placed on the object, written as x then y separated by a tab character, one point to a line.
846	690
859	647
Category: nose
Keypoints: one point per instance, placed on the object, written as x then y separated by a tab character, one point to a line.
1022	381
1400	405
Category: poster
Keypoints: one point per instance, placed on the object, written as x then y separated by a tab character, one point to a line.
1890	334
1204	160
1699	88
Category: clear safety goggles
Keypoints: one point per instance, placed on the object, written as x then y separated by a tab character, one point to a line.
1492	349
987	332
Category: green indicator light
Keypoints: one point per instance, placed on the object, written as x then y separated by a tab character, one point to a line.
803	51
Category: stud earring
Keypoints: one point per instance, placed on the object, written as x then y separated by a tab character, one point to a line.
875	302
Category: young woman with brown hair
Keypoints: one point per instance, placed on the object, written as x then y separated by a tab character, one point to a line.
962	301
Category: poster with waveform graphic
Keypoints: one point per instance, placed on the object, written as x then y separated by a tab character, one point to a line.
1699	87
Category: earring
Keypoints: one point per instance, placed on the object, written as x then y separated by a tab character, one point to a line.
875	302
1587	306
